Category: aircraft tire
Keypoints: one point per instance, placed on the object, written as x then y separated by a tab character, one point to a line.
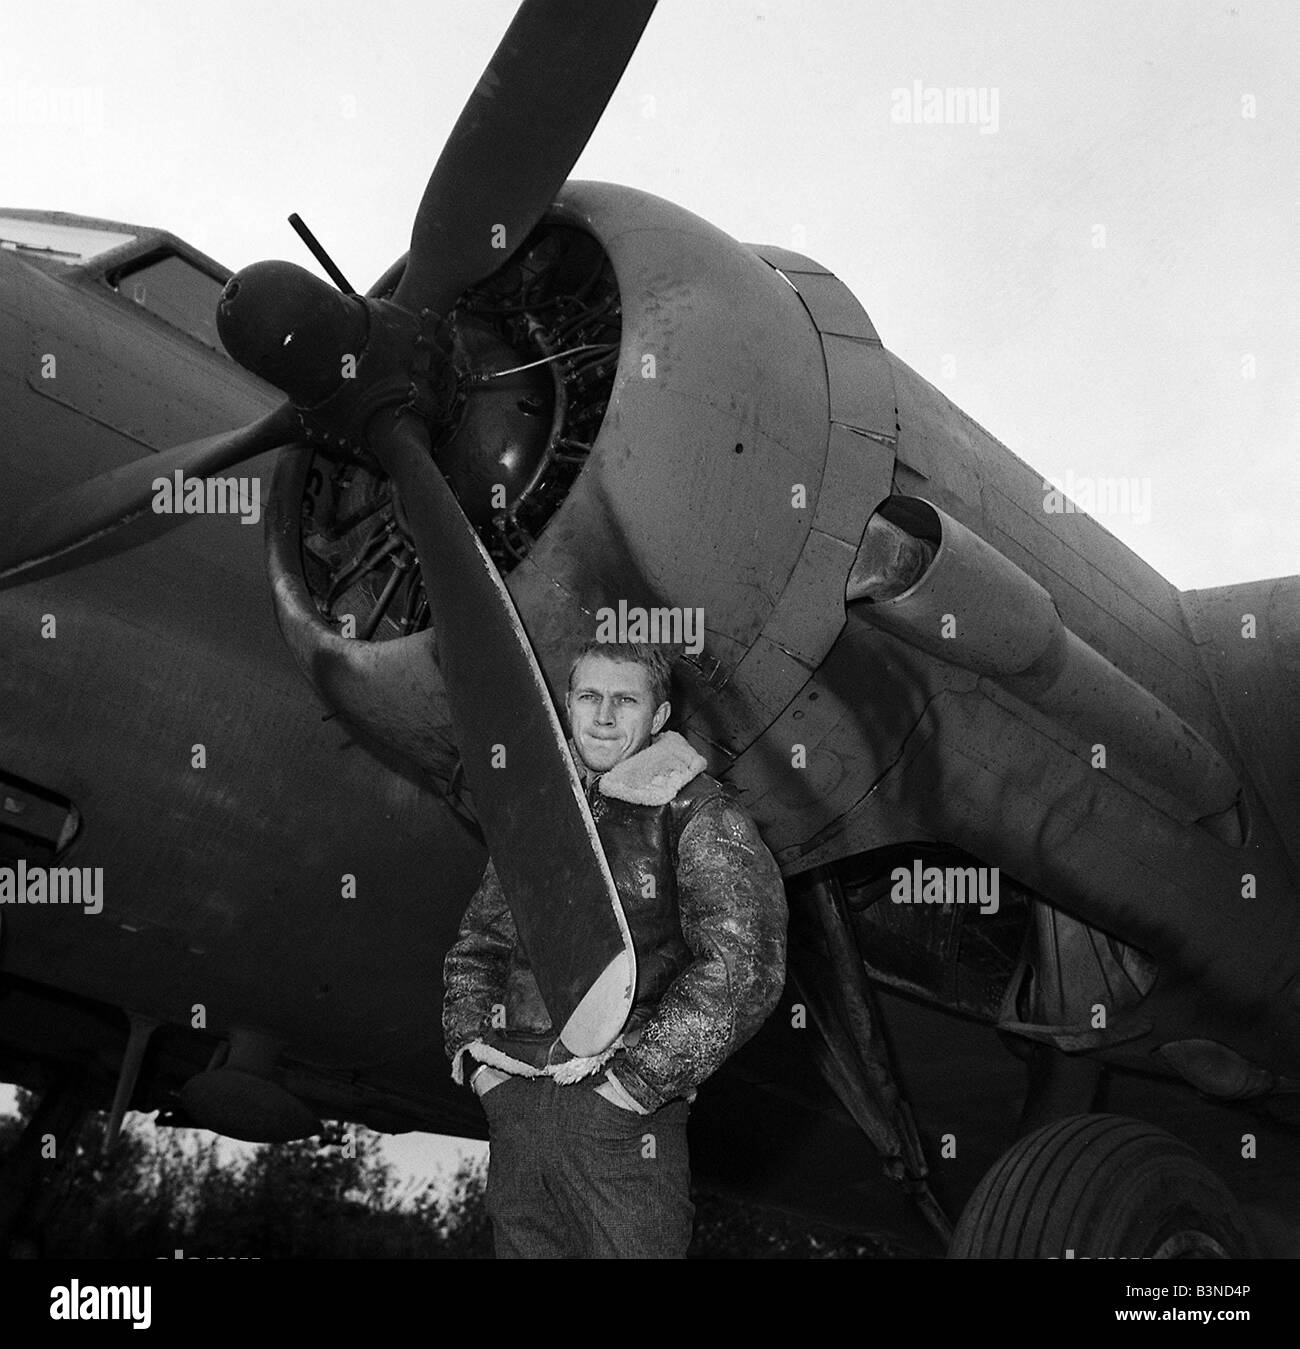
1100	1186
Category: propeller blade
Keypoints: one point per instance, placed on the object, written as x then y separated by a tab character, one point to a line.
526	790
110	513
516	141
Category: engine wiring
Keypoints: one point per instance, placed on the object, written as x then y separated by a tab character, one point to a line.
483	376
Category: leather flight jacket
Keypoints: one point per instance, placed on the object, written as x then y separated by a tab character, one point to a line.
705	905
640	846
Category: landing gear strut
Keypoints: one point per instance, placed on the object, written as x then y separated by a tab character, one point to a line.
854	1057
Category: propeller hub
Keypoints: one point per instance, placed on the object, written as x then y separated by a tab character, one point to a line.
288	327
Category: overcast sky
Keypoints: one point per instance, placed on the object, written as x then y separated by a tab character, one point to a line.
1171	353
973	249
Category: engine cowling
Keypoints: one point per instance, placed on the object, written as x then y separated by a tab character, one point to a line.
663	479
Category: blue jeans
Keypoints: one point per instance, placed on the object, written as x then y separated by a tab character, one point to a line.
570	1175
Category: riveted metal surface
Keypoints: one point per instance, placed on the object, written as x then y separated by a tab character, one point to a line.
805	623
14	349
975	608
64	357
1099	618
1258	683
1159	628
861	385
719	405
751	699
786	260
1106	594
124	368
940	443
833	308
856	480
851	723
810	613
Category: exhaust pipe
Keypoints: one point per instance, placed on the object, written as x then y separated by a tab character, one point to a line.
926	579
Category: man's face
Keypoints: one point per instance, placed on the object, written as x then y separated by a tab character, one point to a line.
611	711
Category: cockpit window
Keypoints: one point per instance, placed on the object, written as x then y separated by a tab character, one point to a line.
176	291
70	244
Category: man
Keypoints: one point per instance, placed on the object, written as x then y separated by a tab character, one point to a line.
588	1156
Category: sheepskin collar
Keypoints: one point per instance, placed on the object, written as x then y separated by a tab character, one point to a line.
653	776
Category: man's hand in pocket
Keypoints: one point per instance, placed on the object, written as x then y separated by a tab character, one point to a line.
485	1079
615	1093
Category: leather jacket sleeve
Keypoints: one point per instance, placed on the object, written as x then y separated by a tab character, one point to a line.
475	970
733	917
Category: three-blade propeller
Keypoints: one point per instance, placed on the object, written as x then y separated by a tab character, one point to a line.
513	146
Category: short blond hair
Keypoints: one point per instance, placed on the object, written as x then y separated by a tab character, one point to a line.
654	660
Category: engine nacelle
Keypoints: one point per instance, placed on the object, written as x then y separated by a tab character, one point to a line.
927	579
719	473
